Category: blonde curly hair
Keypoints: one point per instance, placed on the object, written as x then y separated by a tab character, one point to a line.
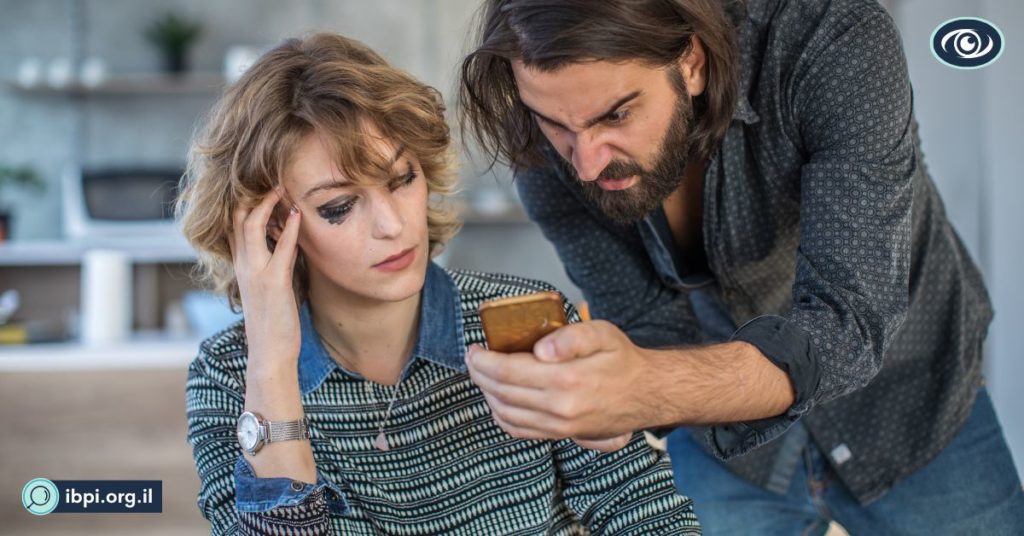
326	84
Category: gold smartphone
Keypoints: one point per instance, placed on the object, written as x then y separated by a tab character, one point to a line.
515	324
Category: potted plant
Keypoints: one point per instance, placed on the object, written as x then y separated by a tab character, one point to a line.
174	36
15	177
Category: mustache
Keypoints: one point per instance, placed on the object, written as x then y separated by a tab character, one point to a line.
619	169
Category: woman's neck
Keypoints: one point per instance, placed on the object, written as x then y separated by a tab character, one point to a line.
374	339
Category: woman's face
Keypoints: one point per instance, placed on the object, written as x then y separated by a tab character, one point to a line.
367	241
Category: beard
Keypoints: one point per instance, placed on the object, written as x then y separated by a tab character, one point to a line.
664	177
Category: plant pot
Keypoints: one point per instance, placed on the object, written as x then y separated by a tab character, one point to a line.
5	226
175	61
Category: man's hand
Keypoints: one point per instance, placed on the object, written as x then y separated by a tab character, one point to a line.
586	381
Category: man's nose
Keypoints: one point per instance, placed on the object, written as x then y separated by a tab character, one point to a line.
589	156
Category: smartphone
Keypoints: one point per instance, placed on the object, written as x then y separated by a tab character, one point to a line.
515	324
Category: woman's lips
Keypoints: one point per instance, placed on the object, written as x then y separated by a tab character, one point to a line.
617	184
397	262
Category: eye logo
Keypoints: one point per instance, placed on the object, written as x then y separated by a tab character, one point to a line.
967	43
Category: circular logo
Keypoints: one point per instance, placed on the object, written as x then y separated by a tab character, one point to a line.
40	496
967	43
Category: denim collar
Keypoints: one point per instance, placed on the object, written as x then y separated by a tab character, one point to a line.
440	338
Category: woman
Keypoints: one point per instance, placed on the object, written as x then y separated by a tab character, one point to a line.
309	201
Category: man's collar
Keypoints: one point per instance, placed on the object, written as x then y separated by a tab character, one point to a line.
440	338
744	111
745	38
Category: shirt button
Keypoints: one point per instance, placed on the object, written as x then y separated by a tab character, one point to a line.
296	485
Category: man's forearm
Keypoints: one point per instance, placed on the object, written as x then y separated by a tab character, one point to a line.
727	382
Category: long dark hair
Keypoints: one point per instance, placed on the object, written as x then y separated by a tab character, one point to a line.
551	34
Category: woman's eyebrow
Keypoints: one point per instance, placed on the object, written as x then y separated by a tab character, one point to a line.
333	183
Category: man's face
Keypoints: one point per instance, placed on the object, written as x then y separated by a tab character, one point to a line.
624	127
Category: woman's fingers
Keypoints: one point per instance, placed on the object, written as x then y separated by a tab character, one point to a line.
283	258
236	239
255	229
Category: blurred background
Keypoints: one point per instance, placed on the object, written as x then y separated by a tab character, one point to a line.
99	317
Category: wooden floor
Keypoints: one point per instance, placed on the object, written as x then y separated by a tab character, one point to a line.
97	425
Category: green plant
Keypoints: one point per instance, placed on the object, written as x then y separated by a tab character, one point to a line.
20	177
174	35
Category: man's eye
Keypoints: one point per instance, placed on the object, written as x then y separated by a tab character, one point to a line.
544	121
617	116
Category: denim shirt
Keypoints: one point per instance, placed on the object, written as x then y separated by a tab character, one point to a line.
439	339
828	243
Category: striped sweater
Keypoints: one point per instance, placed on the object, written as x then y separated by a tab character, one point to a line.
450	469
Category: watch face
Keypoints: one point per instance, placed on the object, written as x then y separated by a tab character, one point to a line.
248	430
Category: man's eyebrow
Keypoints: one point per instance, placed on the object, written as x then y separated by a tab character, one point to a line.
334	183
593	121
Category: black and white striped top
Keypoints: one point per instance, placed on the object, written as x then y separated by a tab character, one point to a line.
450	469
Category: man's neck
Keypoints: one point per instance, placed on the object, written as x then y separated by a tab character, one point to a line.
684	211
372	338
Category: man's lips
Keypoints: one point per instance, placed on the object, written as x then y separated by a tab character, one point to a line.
617	184
398	261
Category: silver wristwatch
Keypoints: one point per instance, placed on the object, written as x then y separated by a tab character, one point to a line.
254	432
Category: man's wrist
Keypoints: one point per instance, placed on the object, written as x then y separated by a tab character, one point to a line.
658	388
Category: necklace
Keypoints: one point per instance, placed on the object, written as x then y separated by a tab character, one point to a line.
381	441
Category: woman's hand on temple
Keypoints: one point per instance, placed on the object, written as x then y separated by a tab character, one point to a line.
265	284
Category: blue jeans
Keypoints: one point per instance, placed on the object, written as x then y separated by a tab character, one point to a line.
972	487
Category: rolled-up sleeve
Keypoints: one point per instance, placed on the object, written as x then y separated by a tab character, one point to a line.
851	289
231	497
261	494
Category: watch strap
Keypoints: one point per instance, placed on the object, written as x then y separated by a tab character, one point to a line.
287	430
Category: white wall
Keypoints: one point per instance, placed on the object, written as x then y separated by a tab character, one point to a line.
1002	111
970	126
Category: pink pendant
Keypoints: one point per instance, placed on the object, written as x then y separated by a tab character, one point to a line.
381	442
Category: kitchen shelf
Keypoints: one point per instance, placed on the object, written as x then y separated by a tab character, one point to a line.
170	250
143	350
142	84
69	253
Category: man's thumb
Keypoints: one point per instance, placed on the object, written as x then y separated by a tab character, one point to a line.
546	350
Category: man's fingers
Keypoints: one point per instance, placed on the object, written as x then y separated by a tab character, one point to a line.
511	369
513	395
514	429
610	444
576	340
525	418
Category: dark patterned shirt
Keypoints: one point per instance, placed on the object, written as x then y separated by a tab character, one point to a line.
450	469
826	242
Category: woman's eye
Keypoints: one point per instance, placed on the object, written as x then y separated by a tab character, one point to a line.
335	214
404	180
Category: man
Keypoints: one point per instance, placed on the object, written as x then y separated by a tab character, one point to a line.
738	190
